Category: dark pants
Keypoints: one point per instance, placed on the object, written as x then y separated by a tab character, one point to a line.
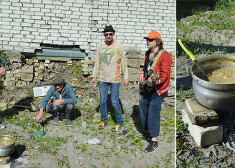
150	108
62	110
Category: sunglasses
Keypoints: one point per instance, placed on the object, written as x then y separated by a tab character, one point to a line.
150	40
58	84
108	34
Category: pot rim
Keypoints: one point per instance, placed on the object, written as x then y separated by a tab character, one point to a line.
7	146
210	85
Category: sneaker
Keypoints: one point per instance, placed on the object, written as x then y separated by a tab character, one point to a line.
56	119
116	128
69	122
101	125
151	147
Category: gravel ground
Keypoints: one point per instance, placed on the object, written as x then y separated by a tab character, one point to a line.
123	149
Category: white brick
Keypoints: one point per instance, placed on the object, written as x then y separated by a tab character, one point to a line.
6	3
6	47
47	1
27	1
6	7
34	9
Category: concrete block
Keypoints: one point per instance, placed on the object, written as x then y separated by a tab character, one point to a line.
204	135
133	78
133	71
27	77
199	114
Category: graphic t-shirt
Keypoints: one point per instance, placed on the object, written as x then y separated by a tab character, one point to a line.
110	62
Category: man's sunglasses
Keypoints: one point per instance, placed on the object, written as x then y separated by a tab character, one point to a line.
58	84
108	34
150	40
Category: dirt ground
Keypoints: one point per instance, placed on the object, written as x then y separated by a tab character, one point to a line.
64	146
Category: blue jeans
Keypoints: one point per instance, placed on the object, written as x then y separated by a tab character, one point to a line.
114	88
150	108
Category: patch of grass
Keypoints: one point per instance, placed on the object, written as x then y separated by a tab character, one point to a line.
50	145
182	95
167	159
181	143
25	120
227	6
192	163
63	161
168	120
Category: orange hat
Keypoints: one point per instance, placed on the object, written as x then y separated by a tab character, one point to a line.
153	35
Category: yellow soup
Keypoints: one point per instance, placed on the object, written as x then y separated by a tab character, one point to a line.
5	143
222	76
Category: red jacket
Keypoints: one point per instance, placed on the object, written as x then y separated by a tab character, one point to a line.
164	67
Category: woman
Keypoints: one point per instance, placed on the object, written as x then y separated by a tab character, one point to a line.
156	75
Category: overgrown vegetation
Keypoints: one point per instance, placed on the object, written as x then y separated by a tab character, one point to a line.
201	28
182	95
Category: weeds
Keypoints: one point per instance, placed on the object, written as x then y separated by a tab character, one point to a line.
63	161
182	95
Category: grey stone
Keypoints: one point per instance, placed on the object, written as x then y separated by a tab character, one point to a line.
27	69
84	123
4	160
206	134
26	77
29	61
87	69
133	71
133	78
199	114
71	153
51	65
134	63
47	61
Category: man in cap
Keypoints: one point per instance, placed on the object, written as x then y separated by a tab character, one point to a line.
109	63
65	99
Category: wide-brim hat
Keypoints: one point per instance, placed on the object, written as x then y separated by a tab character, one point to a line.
153	35
58	79
108	29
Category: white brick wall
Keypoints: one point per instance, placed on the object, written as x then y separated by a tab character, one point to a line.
24	24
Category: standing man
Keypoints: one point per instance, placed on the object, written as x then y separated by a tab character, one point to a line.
65	99
109	63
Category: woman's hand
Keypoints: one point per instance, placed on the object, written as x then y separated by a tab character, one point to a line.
141	78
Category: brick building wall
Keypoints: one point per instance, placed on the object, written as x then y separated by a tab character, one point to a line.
24	24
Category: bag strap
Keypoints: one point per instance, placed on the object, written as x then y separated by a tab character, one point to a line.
156	59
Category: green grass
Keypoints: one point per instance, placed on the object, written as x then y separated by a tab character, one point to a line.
182	95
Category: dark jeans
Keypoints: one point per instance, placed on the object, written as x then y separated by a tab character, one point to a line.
114	88
150	108
63	109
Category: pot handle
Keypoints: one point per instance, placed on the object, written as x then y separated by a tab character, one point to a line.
188	70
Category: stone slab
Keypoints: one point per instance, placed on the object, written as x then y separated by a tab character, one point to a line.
133	78
134	70
199	114
204	135
27	77
71	153
4	160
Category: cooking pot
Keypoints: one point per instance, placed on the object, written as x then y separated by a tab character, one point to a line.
218	97
6	150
